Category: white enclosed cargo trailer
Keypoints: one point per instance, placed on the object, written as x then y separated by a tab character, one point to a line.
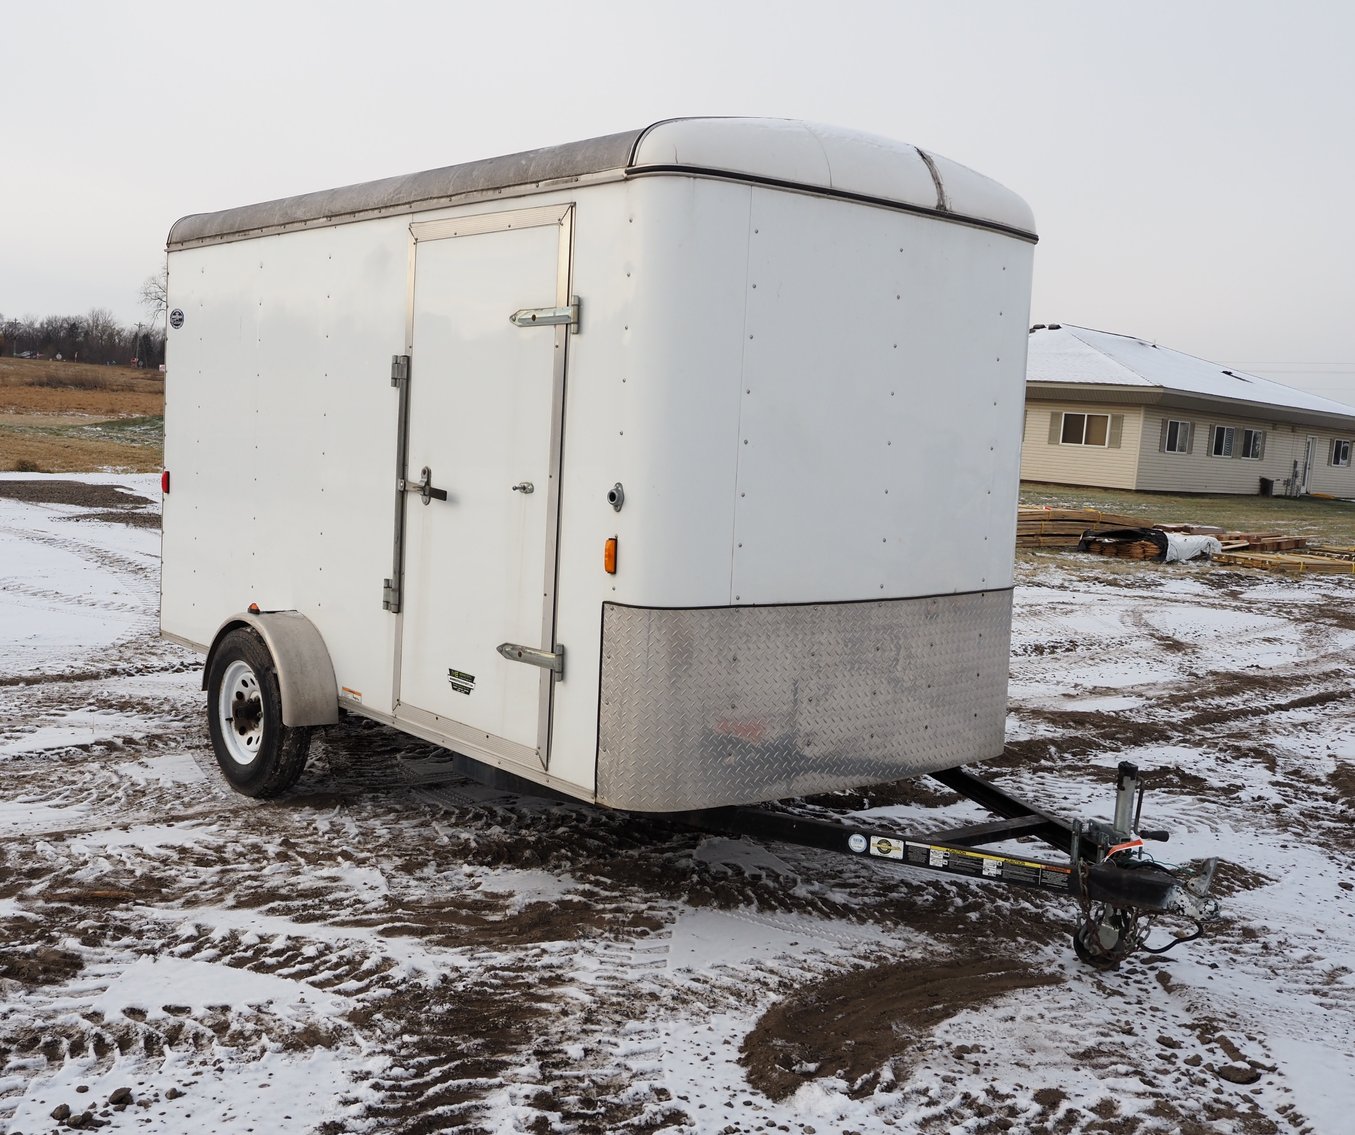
671	469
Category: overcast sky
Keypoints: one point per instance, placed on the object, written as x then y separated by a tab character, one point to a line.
1191	165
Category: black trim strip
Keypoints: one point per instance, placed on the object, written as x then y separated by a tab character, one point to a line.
825	191
890	599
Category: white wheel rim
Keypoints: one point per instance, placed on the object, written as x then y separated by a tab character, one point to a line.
240	713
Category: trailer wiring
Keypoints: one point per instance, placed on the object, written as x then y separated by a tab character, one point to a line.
1108	932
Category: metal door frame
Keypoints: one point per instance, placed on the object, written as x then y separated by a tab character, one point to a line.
1309	463
561	216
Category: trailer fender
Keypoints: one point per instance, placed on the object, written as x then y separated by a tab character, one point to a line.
306	680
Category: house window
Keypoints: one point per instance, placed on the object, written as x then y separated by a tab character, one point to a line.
1178	437
1253	444
1085	429
1340	451
1221	441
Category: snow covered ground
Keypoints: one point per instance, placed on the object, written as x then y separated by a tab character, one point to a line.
394	949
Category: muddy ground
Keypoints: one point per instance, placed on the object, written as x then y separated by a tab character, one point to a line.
433	955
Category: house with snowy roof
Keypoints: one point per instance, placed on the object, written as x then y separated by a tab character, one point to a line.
1121	412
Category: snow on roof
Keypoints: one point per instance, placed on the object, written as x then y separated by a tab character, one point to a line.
1064	353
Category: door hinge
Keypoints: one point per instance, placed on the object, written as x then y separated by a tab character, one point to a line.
390	596
549	316
399	369
552	660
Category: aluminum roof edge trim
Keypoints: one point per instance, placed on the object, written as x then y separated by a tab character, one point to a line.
415	192
827	191
471	197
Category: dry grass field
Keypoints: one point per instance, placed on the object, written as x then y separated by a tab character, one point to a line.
60	417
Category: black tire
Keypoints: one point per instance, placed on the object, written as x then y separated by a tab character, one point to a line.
257	754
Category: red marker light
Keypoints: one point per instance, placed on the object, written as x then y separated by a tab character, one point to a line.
164	482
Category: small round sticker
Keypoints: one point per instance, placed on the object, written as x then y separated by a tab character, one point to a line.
857	842
176	318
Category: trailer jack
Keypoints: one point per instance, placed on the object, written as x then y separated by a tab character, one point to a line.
1120	891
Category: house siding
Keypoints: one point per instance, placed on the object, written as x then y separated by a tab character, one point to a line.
1325	478
1200	472
1114	467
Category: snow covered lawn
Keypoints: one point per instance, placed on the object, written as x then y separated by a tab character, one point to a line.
392	948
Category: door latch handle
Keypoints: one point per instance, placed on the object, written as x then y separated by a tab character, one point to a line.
552	660
424	486
567	316
524	487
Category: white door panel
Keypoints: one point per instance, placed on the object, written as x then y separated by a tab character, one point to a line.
478	566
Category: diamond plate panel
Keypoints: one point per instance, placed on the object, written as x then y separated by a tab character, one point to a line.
736	705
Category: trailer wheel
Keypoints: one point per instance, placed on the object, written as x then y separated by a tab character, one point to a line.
1085	954
257	753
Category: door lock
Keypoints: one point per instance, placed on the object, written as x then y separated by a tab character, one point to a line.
424	486
526	488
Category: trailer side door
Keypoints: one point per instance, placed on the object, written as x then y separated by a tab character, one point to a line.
488	334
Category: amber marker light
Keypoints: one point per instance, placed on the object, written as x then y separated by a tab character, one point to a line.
609	556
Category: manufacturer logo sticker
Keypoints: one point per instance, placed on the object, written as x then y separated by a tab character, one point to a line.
461	682
176	318
857	842
888	848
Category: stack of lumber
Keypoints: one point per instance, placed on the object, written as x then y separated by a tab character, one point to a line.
1252	541
1193	529
1322	560
1064	527
1125	549
1260	541
1269	551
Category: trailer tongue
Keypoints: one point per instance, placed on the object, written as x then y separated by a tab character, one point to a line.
1120	890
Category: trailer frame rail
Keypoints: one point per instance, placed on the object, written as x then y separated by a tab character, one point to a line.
1119	889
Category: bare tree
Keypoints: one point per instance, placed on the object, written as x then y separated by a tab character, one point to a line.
93	338
102	336
155	295
21	334
56	335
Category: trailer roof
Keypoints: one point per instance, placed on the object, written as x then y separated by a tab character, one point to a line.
780	152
